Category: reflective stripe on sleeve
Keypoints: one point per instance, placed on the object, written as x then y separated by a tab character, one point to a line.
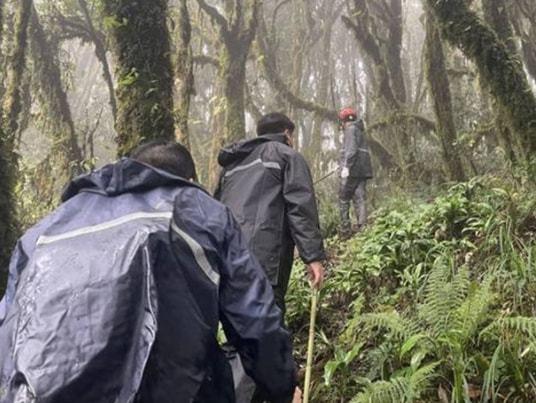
199	254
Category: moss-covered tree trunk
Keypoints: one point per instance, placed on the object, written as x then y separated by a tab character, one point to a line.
496	15
438	82
11	109
65	157
498	68
12	104
184	74
140	44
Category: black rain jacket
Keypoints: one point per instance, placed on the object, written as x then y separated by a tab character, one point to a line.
269	189
355	153
116	296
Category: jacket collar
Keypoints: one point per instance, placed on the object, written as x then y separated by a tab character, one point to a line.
123	176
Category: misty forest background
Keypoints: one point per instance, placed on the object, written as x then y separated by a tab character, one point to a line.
435	300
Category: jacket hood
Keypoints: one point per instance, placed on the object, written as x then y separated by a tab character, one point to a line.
238	151
123	176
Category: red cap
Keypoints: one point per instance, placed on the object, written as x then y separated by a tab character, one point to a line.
347	114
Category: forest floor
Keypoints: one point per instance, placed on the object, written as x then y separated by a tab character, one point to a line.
434	302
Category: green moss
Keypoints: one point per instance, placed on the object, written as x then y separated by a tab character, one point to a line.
500	70
142	51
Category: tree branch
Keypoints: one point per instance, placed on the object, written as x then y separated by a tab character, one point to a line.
214	14
204	60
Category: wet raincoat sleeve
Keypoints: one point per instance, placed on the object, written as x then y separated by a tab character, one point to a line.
301	209
251	320
350	150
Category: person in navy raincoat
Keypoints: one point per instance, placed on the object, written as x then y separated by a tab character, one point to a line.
117	294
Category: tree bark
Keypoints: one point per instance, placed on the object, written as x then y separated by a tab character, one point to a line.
12	104
436	73
100	52
394	51
140	43
12	107
185	74
237	30
496	15
65	158
497	67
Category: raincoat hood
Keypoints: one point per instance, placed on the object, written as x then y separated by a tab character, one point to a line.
124	176
238	151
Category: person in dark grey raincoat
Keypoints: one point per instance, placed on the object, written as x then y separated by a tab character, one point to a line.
269	189
117	294
355	170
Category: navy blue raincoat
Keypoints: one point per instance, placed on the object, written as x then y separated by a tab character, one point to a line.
116	297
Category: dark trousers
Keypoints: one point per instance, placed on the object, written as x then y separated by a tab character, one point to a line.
352	189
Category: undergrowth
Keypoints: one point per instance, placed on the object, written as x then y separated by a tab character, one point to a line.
434	302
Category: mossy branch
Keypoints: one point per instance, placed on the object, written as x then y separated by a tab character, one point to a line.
498	68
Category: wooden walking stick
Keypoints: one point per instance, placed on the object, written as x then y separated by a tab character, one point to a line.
310	346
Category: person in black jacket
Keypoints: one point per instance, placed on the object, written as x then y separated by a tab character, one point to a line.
116	295
355	170
268	187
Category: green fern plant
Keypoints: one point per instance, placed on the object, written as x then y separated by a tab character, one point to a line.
400	389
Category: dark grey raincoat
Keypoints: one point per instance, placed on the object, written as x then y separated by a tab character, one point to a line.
116	297
355	153
269	189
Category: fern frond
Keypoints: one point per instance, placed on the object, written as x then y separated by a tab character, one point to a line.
422	378
444	294
473	311
397	390
397	327
401	389
516	325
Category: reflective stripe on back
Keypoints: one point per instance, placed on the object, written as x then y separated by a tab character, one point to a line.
258	161
47	239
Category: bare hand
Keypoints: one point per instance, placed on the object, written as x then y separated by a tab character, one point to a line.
297	396
316	274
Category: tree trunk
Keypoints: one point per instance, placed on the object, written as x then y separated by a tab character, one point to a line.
12	107
185	74
497	67
383	65
65	158
394	51
496	15
140	43
233	75
12	104
237	30
436	72
100	52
